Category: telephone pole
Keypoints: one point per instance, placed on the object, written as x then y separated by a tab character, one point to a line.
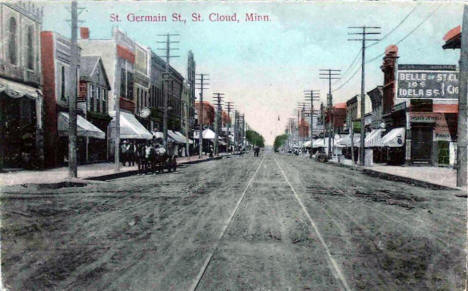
365	31
229	108
311	96
201	81
462	161
72	132
329	74
167	77
218	99
300	110
241	130
236	130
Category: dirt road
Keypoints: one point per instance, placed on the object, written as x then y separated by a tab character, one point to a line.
269	223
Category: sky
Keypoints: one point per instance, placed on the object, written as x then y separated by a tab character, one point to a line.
264	67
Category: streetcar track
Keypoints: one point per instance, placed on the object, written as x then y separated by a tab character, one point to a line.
336	268
417	229
226	224
363	230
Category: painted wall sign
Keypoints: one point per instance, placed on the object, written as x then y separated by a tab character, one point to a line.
427	82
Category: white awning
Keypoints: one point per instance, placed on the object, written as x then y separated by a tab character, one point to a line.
18	90
345	141
175	137
395	138
83	127
130	128
320	143
207	134
158	134
374	138
184	137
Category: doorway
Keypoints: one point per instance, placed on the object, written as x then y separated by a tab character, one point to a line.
421	143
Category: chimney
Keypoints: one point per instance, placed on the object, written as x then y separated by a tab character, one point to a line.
389	68
84	32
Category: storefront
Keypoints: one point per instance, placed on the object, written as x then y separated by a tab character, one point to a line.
397	151
433	137
130	129
97	148
21	134
85	131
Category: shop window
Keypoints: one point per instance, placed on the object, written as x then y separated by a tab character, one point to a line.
30	48
12	41
443	152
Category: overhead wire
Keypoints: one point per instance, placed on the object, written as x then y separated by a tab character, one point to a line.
395	28
384	37
398	42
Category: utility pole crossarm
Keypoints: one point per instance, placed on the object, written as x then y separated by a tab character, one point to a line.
364	32
201	82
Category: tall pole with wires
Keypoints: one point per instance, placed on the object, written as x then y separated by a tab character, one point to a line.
72	126
202	82
364	33
218	99
311	96
229	108
167	77
329	74
462	106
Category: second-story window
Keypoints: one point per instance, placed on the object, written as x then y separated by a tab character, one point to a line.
98	100
104	101
12	41
91	105
30	48
89	98
123	83
62	83
130	85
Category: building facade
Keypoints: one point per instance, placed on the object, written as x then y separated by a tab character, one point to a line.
94	93
21	102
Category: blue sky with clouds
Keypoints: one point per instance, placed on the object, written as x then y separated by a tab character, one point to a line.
264	67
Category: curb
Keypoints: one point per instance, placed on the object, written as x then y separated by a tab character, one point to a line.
396	178
81	182
135	172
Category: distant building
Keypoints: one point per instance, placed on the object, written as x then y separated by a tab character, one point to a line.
94	92
21	102
191	73
208	113
376	97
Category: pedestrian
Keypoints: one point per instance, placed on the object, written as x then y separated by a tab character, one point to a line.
123	152
139	158
256	151
131	153
148	155
211	151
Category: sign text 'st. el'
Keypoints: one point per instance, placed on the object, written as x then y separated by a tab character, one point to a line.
427	82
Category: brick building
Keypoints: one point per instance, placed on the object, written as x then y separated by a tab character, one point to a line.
56	56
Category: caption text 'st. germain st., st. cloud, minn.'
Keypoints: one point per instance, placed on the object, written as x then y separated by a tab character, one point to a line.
193	17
